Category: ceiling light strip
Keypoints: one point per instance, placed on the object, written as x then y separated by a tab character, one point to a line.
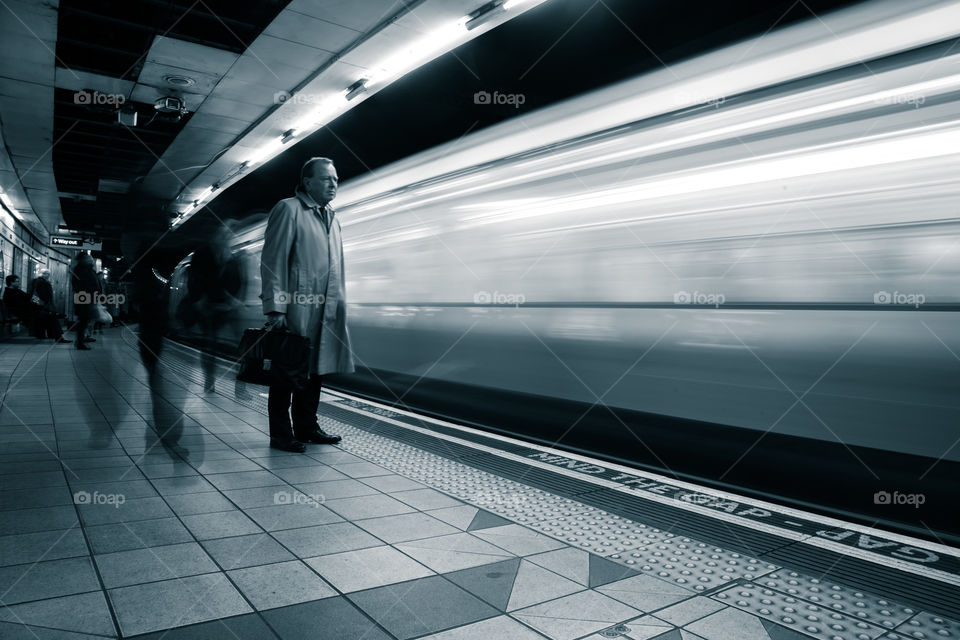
392	68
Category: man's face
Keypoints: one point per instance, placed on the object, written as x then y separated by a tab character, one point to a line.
322	185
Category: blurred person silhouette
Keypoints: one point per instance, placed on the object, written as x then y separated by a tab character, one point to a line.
86	289
214	285
151	295
98	321
303	291
47	325
113	309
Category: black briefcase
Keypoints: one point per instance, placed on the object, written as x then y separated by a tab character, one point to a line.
274	358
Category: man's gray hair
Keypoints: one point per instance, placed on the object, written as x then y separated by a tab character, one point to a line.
306	171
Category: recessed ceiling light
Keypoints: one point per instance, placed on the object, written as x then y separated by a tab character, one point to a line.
179	81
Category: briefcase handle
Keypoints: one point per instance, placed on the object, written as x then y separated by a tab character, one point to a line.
269	327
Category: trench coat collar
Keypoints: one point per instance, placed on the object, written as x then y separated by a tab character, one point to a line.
326	212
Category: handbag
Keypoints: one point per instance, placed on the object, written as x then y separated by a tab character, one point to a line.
100	314
274	358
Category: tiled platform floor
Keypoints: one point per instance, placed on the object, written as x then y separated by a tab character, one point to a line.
106	532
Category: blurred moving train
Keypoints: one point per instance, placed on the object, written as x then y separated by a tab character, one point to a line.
773	272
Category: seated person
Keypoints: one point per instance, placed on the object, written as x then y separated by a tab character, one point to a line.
17	301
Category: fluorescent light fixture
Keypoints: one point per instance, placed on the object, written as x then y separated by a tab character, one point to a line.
266	151
483	14
328	109
356	89
513	4
405	60
203	197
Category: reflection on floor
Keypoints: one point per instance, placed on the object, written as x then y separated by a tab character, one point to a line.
106	530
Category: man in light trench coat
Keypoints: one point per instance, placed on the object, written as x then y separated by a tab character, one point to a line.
303	289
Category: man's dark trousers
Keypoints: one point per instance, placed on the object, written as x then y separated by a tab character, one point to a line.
301	404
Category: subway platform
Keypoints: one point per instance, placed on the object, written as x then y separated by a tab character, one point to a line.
410	528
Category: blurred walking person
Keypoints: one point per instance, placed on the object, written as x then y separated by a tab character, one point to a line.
304	287
86	289
214	285
98	321
46	317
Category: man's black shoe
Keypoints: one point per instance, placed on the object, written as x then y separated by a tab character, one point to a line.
319	436
82	347
89	339
287	445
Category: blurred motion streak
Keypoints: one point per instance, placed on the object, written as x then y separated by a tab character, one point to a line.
802	184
